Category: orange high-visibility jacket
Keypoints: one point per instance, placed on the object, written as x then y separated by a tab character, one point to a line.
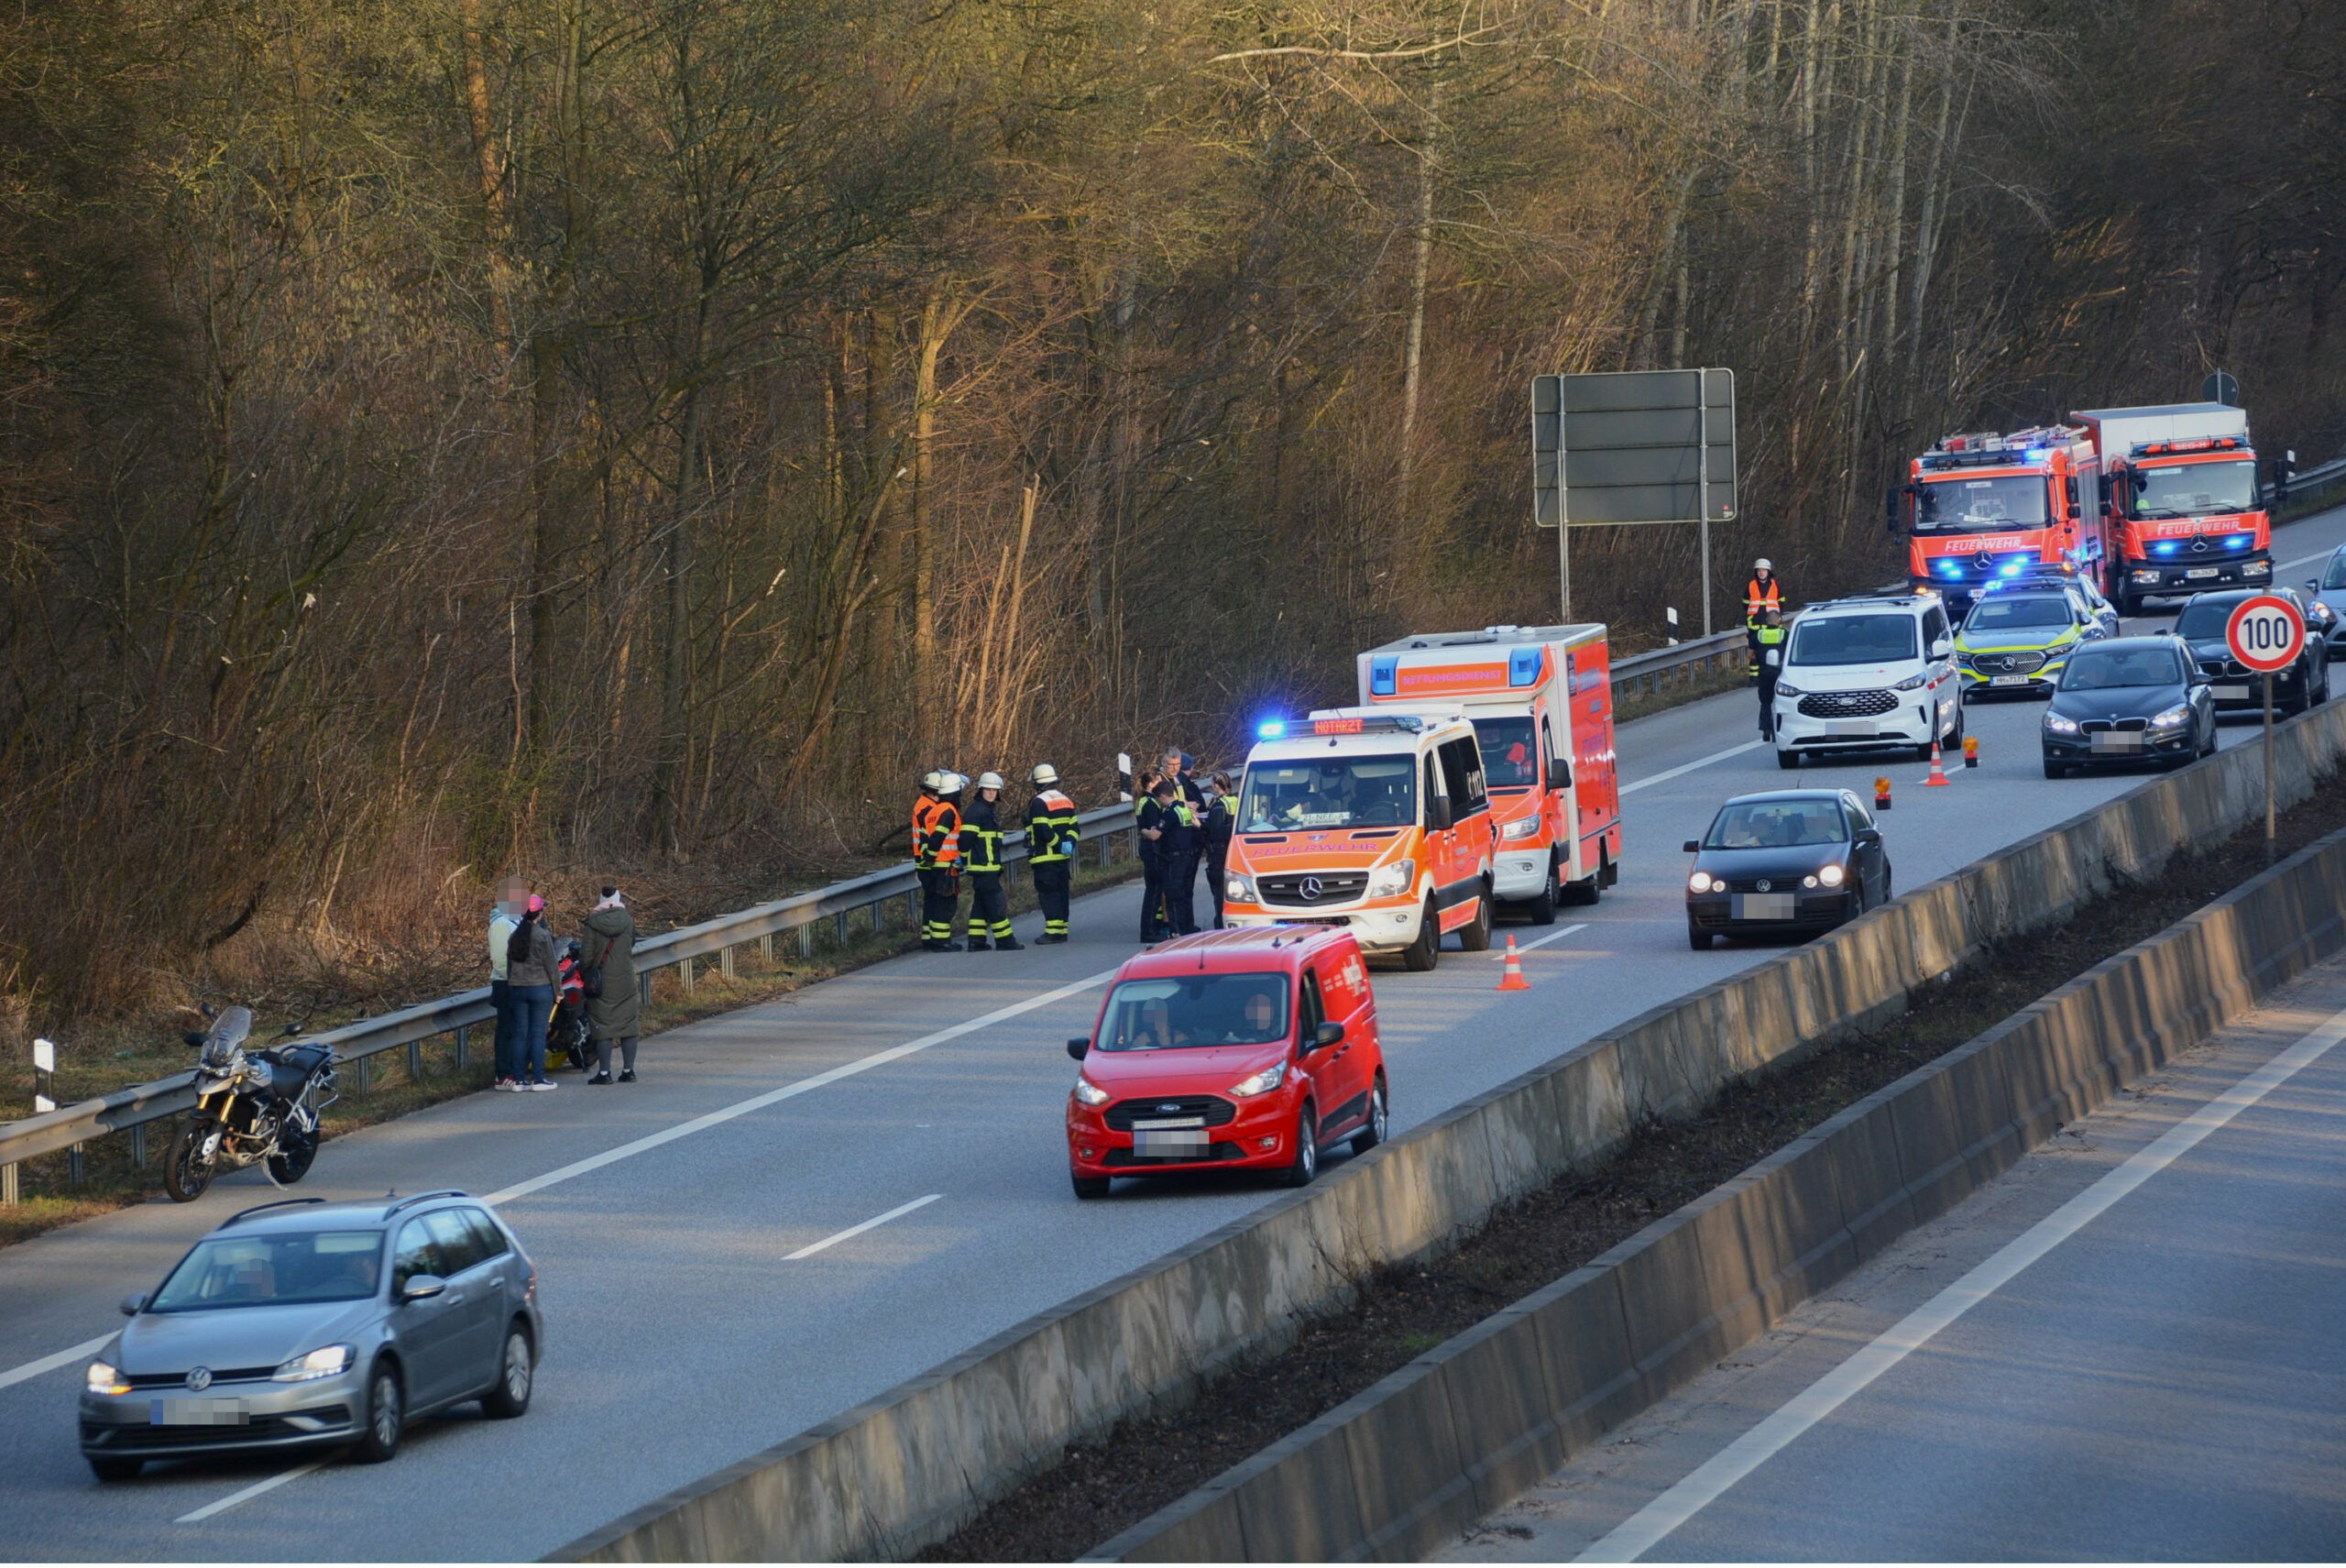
936	834
1756	597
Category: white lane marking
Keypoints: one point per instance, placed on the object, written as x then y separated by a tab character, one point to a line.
2322	556
873	1223
1523	947
1689	767
237	1499
1645	1528
788	1092
17	1374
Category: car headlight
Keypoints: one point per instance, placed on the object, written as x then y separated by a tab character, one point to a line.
1263	1082
1241	889
2175	718
104	1379
1522	827
1702	882
1913	683
1785	688
1090	1092
1399	877
325	1361
1831	876
2059	725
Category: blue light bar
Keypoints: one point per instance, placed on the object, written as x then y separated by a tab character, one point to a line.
2011	568
1384	674
1271	729
2239	542
2038	453
1523	666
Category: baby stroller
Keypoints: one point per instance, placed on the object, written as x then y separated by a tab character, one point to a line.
566	1036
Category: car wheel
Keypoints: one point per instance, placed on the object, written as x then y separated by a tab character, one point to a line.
1371	1136
1475	936
1090	1187
2209	748
1541	911
1307	1149
1697	938
515	1376
385	1416
107	1468
2128	604
1788	760
186	1174
1426	951
2054	770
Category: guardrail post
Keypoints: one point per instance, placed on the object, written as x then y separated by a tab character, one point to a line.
464	1039
138	1144
765	949
7	1186
415	1061
841	922
725	963
365	1074
73	1165
806	941
685	973
643	989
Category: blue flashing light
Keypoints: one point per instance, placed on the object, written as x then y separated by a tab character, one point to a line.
2167	548
1950	568
2038	453
2239	542
2010	568
1523	666
1384	673
1271	729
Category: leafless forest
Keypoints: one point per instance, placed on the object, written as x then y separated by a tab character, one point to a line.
444	435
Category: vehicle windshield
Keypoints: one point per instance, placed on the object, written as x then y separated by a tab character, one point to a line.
2336	577
2105	669
1190	1010
1853	640
1332	791
2187	489
1966	505
1777	825
1996	614
1510	760
273	1269
2205	620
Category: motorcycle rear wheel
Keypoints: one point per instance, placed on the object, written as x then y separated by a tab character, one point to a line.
186	1174
293	1163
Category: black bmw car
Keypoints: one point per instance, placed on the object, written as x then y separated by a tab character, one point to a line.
1788	862
2130	700
2303	684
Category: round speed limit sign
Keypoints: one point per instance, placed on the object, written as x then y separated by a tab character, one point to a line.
2266	633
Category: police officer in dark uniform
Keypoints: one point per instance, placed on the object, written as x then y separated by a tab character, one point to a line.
1053	836
1770	652
981	858
1154	819
936	858
1221	820
1183	843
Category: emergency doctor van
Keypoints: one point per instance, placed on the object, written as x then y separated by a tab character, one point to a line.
1540	700
1376	821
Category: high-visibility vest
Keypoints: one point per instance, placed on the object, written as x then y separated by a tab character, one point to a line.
980	841
1052	831
1771	639
1756	598
937	835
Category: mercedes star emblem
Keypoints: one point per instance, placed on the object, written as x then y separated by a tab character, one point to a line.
1311	888
200	1379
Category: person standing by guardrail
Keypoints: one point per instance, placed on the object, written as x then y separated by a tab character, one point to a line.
1222	817
982	857
1154	817
614	1010
1052	835
1759	595
936	858
530	967
1772	665
512	897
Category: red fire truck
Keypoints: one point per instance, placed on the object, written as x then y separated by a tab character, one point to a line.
1984	507
2181	499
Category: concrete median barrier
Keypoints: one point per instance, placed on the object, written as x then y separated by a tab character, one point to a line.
908	1467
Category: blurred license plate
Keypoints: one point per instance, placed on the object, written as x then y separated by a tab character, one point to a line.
1763	906
2118	740
197	1414
1851	727
1173	1142
2203	571
2228	694
2008	680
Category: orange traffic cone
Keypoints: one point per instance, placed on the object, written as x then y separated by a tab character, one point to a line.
1511	977
1938	778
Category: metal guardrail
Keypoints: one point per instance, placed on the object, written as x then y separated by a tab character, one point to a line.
130	1109
2317	478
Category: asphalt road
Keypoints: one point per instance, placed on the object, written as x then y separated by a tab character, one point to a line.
683	1333
2161	1380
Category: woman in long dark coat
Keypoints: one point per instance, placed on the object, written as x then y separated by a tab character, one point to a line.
607	945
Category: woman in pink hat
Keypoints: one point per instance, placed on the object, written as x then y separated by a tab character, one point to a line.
529	968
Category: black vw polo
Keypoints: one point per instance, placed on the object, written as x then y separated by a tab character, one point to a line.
1790	861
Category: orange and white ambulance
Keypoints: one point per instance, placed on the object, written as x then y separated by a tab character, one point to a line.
1540	700
1374	820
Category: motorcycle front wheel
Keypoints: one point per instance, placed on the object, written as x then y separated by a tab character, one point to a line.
186	1173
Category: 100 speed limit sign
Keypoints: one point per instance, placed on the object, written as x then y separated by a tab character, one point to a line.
2266	633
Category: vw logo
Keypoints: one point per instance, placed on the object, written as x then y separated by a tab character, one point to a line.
200	1379
1763	884
1311	888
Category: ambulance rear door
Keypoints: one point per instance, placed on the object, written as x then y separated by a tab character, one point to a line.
1596	790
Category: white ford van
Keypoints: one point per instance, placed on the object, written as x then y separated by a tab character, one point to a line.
1862	674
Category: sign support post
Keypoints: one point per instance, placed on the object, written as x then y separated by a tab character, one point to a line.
2266	633
1703	507
2269	837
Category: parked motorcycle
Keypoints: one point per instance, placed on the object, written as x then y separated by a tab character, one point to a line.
251	1107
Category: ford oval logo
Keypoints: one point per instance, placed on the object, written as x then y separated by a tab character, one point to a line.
1310	888
1170	1109
1763	884
200	1379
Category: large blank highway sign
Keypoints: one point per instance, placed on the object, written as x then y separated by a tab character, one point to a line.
1629	447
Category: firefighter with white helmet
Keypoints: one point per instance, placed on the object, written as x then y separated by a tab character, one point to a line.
982	857
936	857
1052	837
1762	594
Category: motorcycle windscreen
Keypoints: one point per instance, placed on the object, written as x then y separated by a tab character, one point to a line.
228	1032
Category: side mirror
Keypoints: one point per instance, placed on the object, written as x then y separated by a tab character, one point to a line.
1694	846
1328	1034
422	1286
2313	584
1438	815
1078	1045
1941	648
133	1302
1559	773
193	1037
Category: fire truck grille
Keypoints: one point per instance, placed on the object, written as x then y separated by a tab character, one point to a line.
1847	704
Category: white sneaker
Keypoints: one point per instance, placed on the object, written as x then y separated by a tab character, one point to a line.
540	1087
504	1086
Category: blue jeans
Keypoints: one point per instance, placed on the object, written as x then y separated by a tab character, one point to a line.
496	991
527	1008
